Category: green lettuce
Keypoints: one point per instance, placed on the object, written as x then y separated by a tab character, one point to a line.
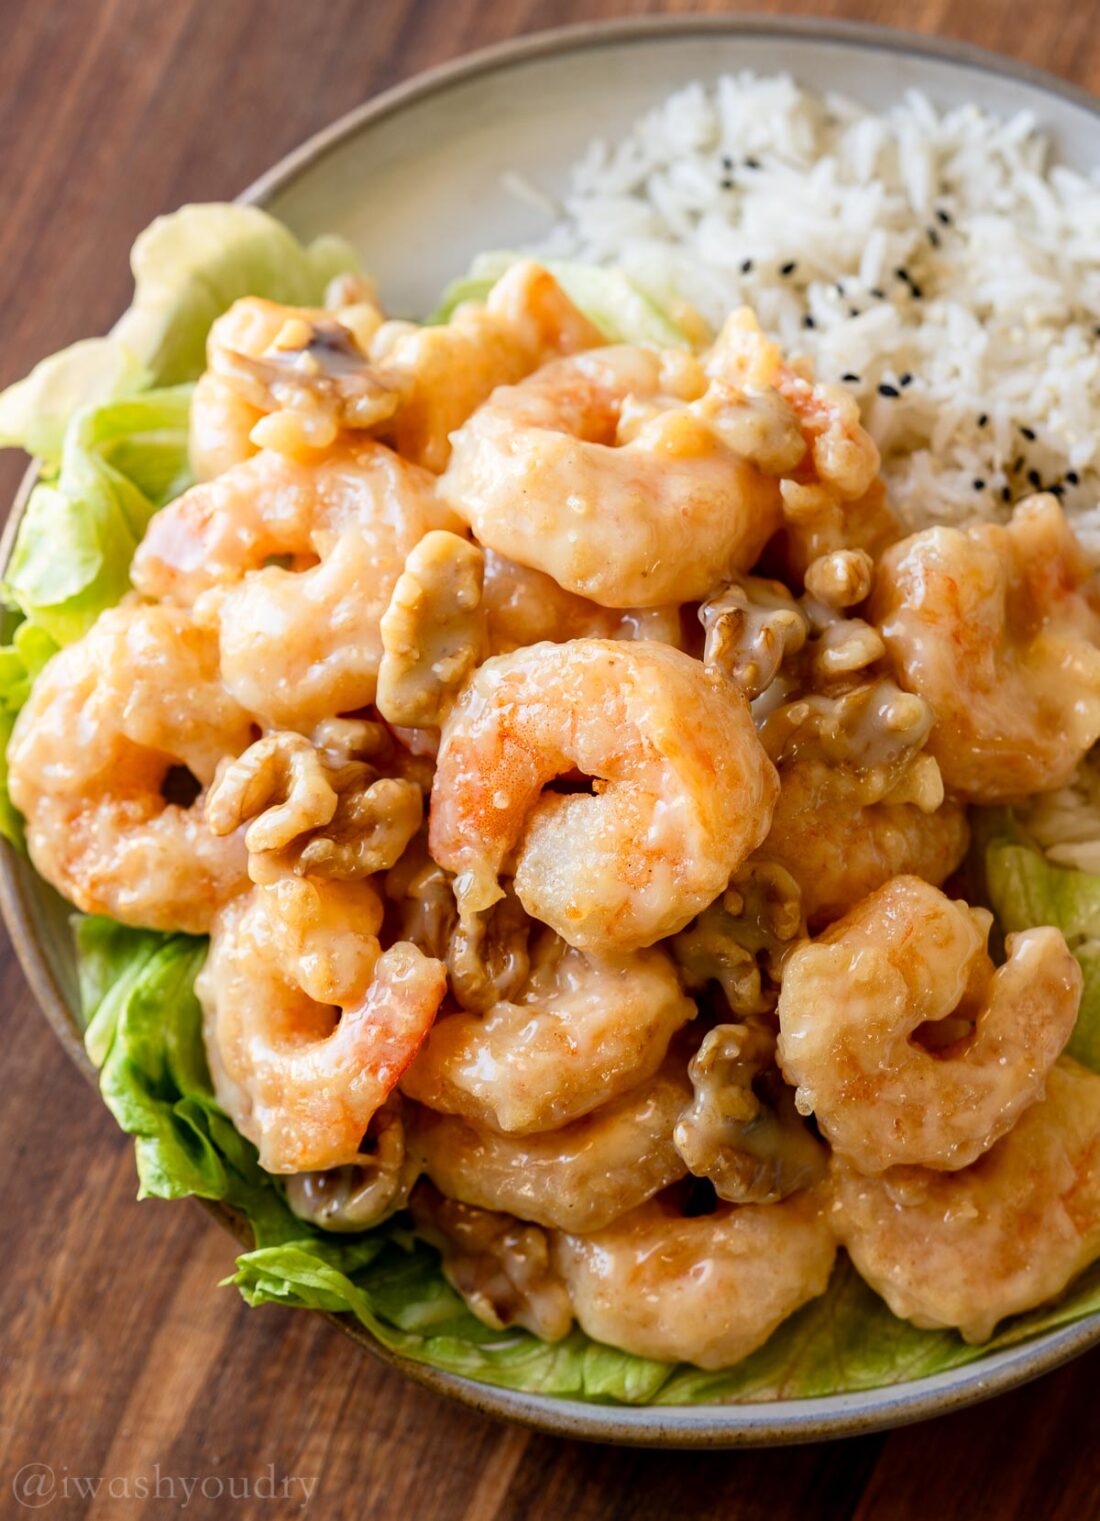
119	463
143	1030
188	268
617	305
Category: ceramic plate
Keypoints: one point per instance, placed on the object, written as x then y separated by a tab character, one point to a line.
417	179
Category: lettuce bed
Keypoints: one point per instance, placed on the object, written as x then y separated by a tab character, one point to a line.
108	418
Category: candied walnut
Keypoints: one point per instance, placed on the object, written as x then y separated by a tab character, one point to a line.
421	892
875	729
752	625
366	1191
500	1265
841	578
486	953
433	632
742	1130
312	814
488	957
313	368
740	941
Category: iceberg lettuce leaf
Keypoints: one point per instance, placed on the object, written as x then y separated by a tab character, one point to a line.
618	306
119	463
188	268
144	1031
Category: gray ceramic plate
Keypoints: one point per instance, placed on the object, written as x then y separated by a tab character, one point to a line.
416	180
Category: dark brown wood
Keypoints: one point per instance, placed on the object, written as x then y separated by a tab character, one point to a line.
121	1359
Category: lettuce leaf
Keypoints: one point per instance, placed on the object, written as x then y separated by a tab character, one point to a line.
119	463
143	1029
619	307
188	268
20	663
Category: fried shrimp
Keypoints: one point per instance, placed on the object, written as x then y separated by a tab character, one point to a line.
308	1028
625	475
298	643
998	629
853	1001
707	1289
445	371
967	1249
682	792
579	1177
91	760
500	1265
580	1032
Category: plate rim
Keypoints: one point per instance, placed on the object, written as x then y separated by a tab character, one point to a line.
753	1423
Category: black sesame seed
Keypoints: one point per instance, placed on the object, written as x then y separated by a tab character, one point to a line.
808	321
1029	434
901	273
850	378
1006	494
879	295
978	483
752	163
1096	331
915	291
905	380
839	287
1072	477
1035	478
1057	490
983	419
933	237
1018	463
788	268
853	311
888	390
727	183
746	266
942	217
727	162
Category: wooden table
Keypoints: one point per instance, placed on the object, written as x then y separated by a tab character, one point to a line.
121	1358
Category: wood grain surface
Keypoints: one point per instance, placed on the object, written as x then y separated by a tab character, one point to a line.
120	1359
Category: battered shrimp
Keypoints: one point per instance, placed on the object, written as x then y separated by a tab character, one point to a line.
284	376
998	629
577	1178
445	372
707	1289
298	644
682	791
967	1249
852	1001
308	1028
91	760
582	1031
625	475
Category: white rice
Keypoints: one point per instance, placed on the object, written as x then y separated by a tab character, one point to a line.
993	328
